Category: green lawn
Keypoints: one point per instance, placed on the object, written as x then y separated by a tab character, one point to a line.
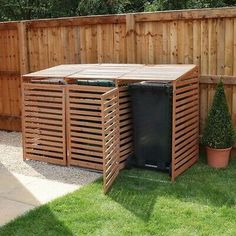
201	202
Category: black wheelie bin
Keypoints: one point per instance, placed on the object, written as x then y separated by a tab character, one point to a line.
152	123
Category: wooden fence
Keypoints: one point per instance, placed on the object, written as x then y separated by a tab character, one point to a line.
204	37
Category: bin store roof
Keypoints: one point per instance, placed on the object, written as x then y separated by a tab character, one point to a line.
166	72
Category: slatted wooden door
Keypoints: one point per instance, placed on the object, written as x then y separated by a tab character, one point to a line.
126	126
111	137
43	123
84	126
185	126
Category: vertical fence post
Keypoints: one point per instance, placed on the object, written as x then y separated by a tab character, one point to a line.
24	68
23	48
130	38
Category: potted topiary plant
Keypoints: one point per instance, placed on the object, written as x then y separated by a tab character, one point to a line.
219	135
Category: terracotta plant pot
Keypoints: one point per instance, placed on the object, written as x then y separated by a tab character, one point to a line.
218	158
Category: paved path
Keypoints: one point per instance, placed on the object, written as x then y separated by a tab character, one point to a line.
20	193
28	184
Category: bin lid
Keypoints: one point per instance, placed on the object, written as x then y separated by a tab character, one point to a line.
49	81
103	83
152	84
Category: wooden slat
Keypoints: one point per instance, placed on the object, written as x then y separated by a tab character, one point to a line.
42	109
87	140
186	118
42	147
124	157
42	104
110	121
86	164
93	89
186	82
43	87
53	133
185	160
44	153
126	123
86	135
185	124
35	140
43	115
185	95
43	99
126	146
110	102
126	134
126	140
86	124
85	106
86	152
125	105
44	137
42	93
86	113
87	130
125	117
186	136
85	101
84	117
86	146
187	111
187	100
84	95
84	158
126	151
111	180
185	131
186	88
42	126
44	123
186	141
125	111
45	159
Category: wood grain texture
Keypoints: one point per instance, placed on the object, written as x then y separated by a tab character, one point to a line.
185	123
204	37
44	128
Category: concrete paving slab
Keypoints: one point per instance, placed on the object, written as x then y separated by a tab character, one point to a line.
39	191
9	182
11	209
27	184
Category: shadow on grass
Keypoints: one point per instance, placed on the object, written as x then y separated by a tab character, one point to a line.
139	190
11	188
35	225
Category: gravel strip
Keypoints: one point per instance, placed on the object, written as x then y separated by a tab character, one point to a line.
11	158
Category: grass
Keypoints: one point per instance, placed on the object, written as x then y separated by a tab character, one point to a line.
201	202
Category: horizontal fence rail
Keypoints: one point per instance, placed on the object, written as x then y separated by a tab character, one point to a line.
203	37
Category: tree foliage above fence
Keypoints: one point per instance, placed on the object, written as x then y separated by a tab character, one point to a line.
27	9
161	5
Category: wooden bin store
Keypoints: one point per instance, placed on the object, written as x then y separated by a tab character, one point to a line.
91	126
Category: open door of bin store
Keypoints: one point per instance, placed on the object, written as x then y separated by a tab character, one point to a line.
185	123
111	137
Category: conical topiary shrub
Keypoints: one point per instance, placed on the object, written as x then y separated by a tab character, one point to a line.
219	132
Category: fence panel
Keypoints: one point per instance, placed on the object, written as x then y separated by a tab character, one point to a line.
10	104
204	37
